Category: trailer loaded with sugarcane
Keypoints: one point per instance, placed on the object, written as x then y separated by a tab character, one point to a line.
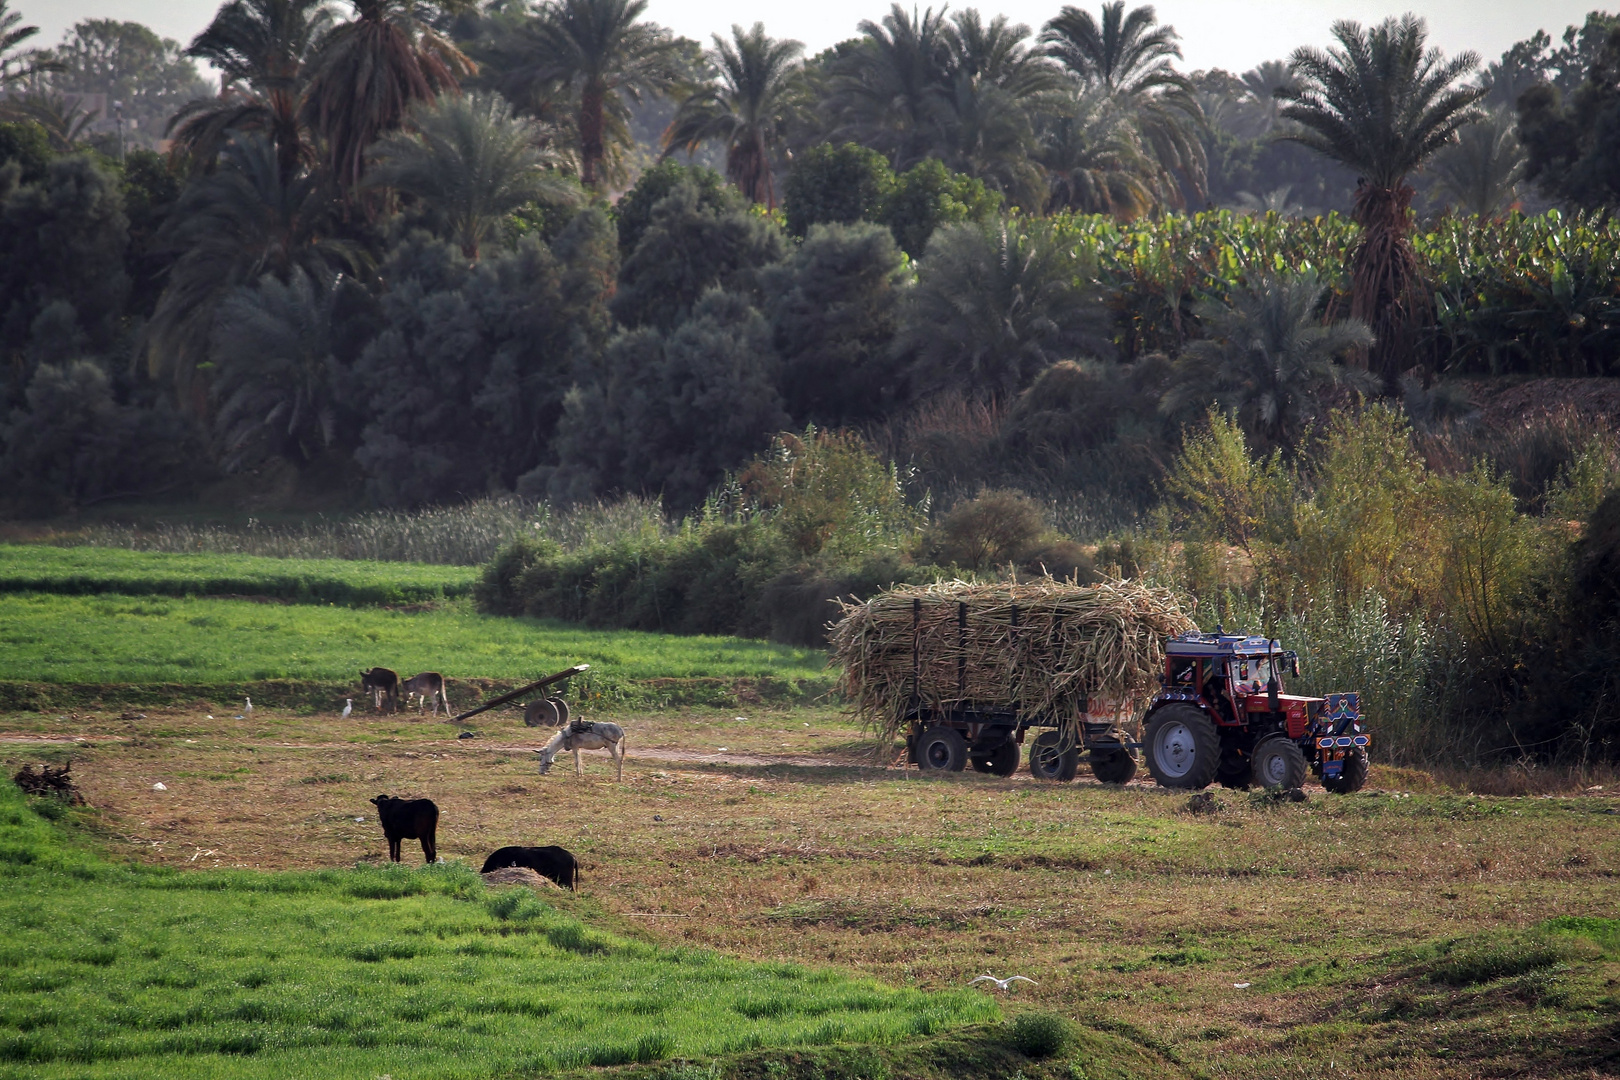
968	674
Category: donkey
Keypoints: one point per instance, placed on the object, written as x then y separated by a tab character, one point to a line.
584	735
425	686
378	684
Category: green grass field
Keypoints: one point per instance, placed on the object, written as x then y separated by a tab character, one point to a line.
87	570
110	970
122	639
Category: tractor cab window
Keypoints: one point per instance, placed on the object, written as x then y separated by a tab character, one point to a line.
1251	674
1183	670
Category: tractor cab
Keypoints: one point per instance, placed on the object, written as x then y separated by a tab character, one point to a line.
1265	736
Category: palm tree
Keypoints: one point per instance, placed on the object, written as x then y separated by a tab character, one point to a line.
472	162
259	48
1262	82
1268	358
1381	104
888	92
986	119
597	52
758	94
64	124
273	348
18	64
993	307
1482	169
230	228
1095	162
1128	57
367	73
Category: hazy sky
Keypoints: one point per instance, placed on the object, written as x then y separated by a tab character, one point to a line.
1234	34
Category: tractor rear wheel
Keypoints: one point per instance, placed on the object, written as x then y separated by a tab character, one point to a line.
1054	756
1002	761
1351	778
1113	766
1278	763
941	749
1182	747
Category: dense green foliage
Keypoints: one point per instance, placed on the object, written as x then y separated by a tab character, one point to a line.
844	184
89	571
112	969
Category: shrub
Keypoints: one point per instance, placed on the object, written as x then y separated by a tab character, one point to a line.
691	245
832	306
670	414
74	444
835	184
1040	1035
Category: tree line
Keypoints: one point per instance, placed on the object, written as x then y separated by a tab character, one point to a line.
429	252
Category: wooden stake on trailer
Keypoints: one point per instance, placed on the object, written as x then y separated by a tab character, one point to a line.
520	691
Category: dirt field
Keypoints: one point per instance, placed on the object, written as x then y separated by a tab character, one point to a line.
1257	940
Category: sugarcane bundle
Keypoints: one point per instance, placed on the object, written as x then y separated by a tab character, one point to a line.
1041	646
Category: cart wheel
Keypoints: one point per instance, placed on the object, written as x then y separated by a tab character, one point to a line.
1113	766
541	713
562	710
1278	763
1353	776
1052	756
1002	761
941	749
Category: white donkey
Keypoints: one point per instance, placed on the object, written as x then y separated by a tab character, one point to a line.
584	735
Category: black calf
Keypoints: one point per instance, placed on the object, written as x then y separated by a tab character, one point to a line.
409	819
552	862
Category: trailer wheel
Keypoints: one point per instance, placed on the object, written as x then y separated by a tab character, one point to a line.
941	749
1182	747
1053	756
1234	771
1002	761
1279	763
1113	766
1351	778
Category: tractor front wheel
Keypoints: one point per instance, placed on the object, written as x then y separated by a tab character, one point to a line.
1351	777
1183	750
1002	761
1279	763
1054	756
941	749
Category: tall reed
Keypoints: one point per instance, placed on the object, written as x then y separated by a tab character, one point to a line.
467	535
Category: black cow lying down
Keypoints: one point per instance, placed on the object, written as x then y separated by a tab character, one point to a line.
409	819
552	862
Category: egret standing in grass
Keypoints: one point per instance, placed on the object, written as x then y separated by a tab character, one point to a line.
247	710
348	707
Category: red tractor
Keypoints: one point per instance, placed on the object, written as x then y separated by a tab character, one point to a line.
1222	716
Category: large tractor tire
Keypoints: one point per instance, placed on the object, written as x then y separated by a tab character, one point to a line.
1278	763
1113	766
941	749
1054	756
1352	778
1002	761
1182	747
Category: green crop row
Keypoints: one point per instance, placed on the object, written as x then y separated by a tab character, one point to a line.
1532	294
192	642
91	570
122	970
